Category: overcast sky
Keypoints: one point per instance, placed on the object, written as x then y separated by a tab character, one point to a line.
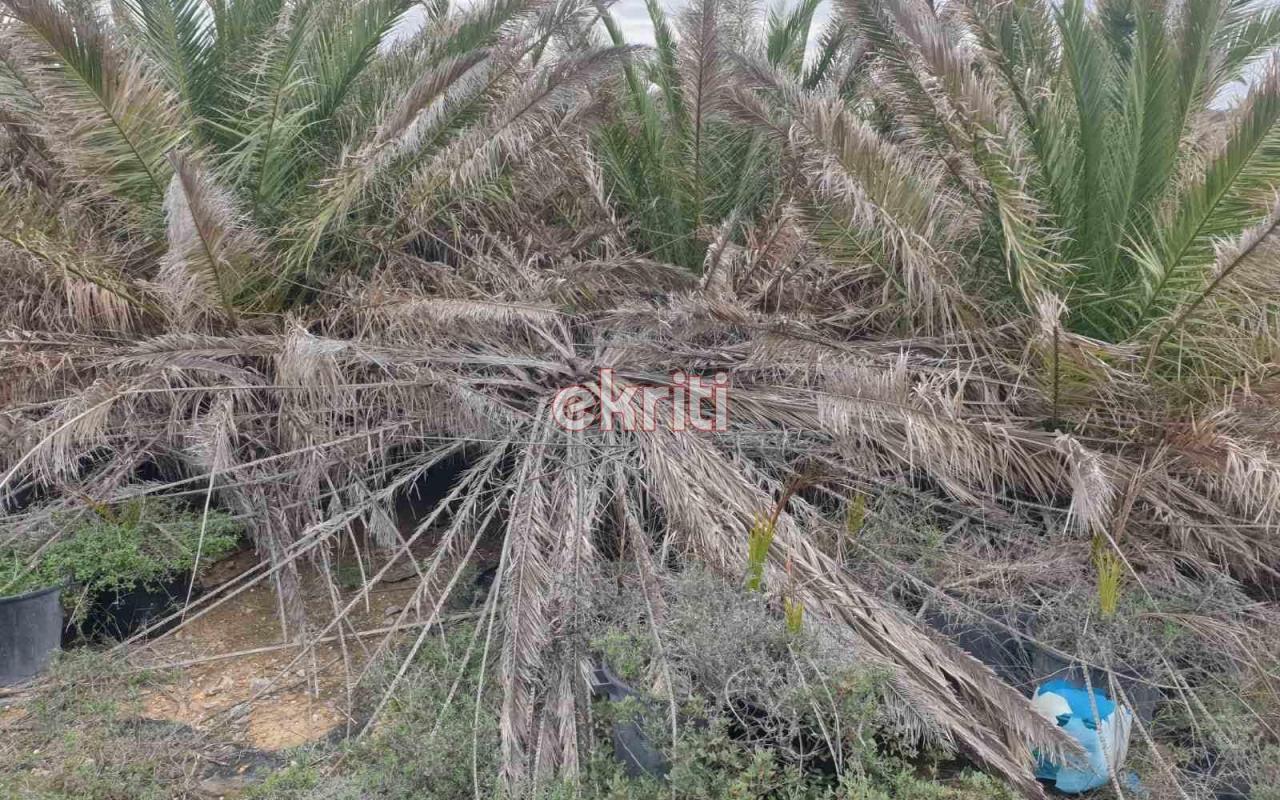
634	19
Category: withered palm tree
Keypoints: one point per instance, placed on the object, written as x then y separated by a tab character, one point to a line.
451	232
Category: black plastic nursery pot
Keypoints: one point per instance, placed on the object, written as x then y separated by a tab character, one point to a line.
30	633
119	615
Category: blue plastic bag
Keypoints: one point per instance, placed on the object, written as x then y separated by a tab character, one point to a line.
1104	737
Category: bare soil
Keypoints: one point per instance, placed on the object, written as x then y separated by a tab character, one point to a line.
271	702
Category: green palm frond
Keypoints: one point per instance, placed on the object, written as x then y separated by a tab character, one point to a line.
787	35
1230	263
241	25
647	159
341	46
1231	194
1091	81
109	116
1249	33
394	145
1020	41
480	26
638	96
831	42
178	37
665	73
17	94
1087	133
1153	130
1195	37
271	115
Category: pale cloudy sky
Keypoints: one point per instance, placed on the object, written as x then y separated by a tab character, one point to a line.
634	19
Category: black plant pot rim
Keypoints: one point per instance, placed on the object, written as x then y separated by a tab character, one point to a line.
13	598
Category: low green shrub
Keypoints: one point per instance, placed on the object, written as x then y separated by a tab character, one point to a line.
138	544
17	577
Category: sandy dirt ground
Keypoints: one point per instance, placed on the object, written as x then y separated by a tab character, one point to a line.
271	698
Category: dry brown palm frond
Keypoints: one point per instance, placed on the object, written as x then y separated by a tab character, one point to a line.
578	492
324	397
603	282
26	160
50	287
871	200
839	305
212	251
515	122
446	314
1075	372
527	581
922	424
583	168
883	190
1241	472
433	84
704	73
965	120
899	78
64	272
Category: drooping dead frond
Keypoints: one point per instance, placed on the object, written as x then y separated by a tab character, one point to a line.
1092	489
885	283
528	575
398	307
433	83
73	275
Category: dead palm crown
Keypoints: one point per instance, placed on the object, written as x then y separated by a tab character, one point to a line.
999	253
